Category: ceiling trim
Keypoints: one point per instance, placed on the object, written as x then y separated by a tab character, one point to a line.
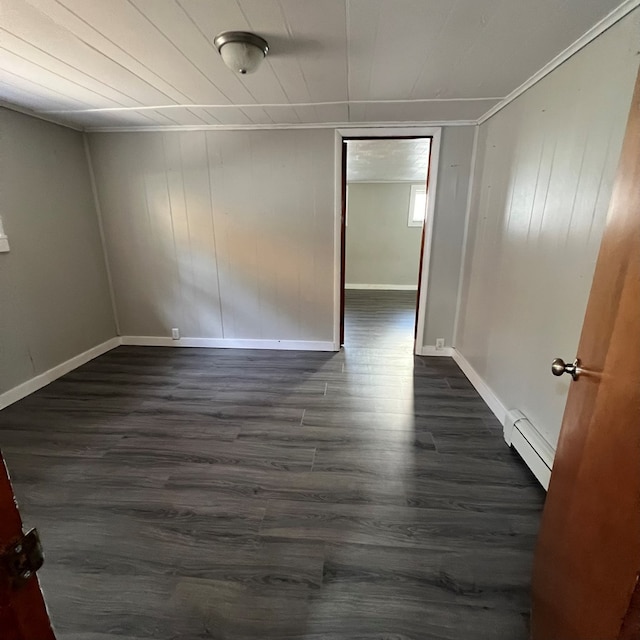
302	125
37	114
260	105
598	29
385	181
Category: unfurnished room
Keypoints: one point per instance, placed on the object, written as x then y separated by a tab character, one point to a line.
319	319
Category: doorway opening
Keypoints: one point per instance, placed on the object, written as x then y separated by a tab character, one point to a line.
387	214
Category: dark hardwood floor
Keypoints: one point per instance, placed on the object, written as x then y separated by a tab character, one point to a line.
192	493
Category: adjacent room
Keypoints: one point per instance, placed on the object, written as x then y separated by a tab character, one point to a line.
385	186
319	319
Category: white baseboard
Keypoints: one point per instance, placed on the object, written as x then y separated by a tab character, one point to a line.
387	287
486	393
519	432
43	379
225	343
430	350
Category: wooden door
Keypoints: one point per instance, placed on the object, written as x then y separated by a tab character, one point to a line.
588	554
23	615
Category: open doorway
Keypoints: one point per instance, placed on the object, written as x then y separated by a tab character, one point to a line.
385	231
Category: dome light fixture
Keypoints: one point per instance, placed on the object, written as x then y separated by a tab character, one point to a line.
241	51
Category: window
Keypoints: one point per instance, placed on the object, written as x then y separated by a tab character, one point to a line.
417	205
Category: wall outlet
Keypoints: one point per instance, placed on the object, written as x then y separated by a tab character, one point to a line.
175	333
439	344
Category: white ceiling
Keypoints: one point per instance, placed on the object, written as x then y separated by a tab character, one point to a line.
104	63
387	160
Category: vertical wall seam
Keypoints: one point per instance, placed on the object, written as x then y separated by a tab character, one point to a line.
213	233
465	236
188	224
103	240
178	274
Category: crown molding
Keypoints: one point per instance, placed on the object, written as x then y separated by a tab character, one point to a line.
267	105
598	29
420	182
269	127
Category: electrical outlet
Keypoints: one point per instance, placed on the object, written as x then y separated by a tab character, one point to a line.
439	344
175	333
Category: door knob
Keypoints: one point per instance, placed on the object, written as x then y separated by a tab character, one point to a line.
559	366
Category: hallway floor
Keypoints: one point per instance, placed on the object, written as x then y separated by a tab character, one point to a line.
225	494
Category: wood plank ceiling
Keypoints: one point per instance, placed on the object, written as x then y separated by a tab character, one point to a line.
123	63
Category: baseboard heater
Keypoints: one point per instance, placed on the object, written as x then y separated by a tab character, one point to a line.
520	434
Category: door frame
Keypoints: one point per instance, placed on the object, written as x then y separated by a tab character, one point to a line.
370	133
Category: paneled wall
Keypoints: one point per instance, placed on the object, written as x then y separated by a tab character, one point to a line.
229	235
543	182
456	146
220	234
382	249
54	295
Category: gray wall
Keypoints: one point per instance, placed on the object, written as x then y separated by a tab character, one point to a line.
544	176
54	294
381	247
221	234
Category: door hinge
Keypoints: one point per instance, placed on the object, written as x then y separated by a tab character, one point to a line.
23	558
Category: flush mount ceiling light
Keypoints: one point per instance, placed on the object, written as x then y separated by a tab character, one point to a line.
241	51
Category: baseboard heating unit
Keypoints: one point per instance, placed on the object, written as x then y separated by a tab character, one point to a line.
520	434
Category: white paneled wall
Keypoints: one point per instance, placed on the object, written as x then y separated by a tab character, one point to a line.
456	147
543	180
224	235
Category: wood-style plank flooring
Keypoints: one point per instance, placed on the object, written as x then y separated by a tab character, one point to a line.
192	493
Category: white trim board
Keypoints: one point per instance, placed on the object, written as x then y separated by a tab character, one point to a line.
486	393
386	287
368	126
228	343
30	386
262	105
430	350
355	132
26	388
519	432
384	182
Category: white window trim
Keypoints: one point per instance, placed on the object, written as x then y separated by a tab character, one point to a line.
414	190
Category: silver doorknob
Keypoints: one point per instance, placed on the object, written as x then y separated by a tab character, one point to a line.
559	366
